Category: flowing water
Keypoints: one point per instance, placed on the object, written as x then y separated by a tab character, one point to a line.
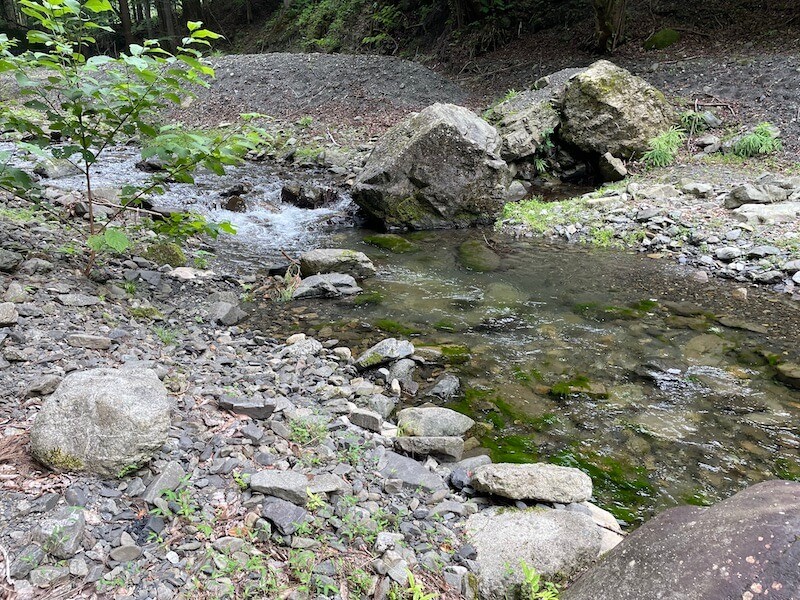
660	388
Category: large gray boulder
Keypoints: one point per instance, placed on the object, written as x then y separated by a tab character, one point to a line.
607	109
537	481
440	168
754	193
102	421
557	543
747	546
433	421
768	214
336	260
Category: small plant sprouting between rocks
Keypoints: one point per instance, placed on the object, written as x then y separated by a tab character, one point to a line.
94	102
664	148
286	288
693	122
533	587
763	140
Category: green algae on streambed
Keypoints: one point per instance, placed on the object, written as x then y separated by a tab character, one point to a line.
660	388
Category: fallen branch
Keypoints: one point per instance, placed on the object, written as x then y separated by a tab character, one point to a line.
7	563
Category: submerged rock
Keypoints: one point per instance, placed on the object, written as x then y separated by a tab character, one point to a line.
440	168
743	547
607	109
102	421
477	256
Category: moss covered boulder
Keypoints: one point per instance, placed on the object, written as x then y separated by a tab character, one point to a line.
440	168
607	109
165	253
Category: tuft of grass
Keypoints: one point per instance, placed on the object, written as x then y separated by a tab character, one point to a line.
541	216
693	122
664	148
763	140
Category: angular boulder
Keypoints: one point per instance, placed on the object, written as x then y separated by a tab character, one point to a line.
524	123
557	543
411	473
433	421
744	547
335	260
440	168
538	481
384	352
607	109
102	421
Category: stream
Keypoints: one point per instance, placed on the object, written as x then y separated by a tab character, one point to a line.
659	387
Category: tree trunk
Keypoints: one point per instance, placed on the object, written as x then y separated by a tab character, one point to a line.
148	18
10	11
610	23
192	11
125	21
166	17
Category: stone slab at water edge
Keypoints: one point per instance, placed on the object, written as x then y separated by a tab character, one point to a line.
747	546
335	260
433	421
440	168
103	421
539	481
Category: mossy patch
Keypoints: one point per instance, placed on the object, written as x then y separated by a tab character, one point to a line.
391	242
455	354
661	39
391	326
608	312
369	299
445	325
625	487
146	312
61	461
165	253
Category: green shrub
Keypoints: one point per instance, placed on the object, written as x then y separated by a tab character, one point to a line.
693	122
763	140
664	148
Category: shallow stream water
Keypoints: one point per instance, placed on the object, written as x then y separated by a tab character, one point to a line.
659	387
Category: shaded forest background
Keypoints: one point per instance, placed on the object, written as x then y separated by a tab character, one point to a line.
438	29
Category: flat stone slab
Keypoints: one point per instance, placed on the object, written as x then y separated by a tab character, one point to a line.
746	547
433	421
410	472
538	481
451	448
287	485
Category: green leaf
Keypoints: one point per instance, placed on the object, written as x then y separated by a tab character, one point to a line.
116	240
98	6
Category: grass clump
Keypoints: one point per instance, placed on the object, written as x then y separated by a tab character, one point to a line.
664	148
693	122
763	140
541	216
